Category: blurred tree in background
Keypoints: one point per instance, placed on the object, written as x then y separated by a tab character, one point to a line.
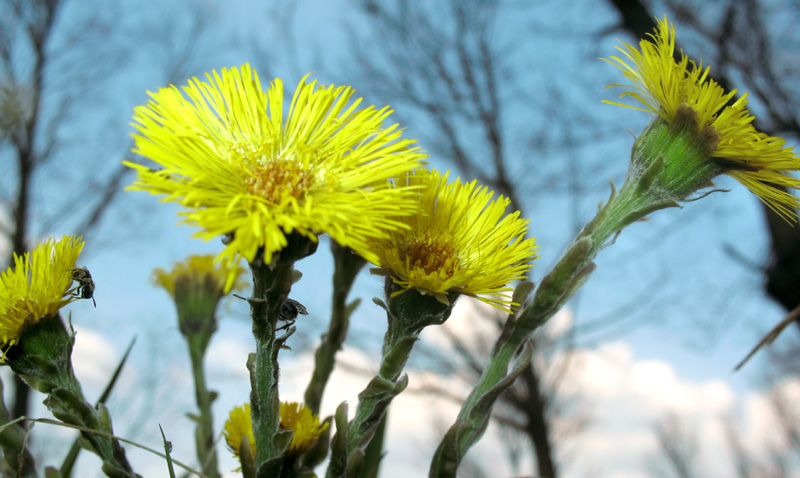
465	73
50	50
447	65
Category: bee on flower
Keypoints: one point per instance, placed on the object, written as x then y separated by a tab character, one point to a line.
37	286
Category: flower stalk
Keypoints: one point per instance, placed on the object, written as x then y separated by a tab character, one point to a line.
271	286
204	436
346	267
669	162
43	359
197	285
407	313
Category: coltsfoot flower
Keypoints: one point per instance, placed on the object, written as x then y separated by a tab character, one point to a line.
303	423
245	171
295	416
197	284
37	286
238	426
202	271
683	91
461	241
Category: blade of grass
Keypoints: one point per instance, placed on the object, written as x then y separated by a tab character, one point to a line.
167	451
50	421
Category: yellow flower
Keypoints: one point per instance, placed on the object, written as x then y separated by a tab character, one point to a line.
294	416
460	241
243	170
661	85
38	286
304	425
197	285
203	271
239	425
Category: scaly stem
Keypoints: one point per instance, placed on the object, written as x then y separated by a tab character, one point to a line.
346	268
206	451
407	313
634	201
271	287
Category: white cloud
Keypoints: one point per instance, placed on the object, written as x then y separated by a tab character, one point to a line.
623	396
93	358
227	357
628	396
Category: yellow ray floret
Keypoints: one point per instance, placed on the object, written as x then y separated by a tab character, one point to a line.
460	241
659	85
38	286
227	154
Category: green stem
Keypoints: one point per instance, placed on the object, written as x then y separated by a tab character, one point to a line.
346	267
374	452
407	313
376	398
206	451
43	359
271	287
633	202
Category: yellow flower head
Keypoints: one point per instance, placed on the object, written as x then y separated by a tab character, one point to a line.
303	423
203	271
238	426
294	416
460	241
661	85
241	169
38	286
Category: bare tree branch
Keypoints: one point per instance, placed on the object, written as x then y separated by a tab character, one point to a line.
677	445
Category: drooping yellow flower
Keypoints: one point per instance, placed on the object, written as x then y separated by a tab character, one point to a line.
203	271
38	286
294	416
460	241
661	85
238	426
197	285
242	169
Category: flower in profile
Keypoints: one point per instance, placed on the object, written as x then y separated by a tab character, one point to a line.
666	87
197	285
245	171
38	286
294	416
203	273
460	241
238	426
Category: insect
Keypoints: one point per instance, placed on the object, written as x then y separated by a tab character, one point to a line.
85	289
289	312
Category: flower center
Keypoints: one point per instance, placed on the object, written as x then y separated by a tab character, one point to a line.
433	256
277	180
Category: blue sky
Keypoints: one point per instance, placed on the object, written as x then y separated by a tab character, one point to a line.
699	310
